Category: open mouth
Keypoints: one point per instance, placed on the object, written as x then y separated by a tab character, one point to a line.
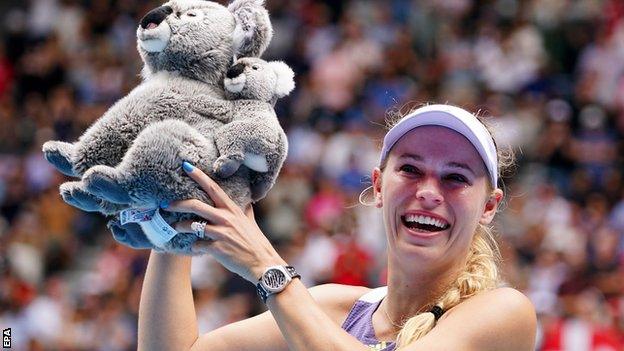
423	223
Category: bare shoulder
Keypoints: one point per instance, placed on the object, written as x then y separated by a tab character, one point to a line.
497	302
498	319
504	319
337	299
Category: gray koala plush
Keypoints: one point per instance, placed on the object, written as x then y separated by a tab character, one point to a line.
131	157
255	140
253	135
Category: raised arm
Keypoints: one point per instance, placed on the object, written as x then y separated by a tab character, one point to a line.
234	239
167	318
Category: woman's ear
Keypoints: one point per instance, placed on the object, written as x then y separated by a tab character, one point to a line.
491	206
377	187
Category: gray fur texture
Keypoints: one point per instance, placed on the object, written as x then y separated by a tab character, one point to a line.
253	135
131	156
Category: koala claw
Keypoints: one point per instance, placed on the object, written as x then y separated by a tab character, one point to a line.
74	194
130	235
58	153
259	190
103	182
226	166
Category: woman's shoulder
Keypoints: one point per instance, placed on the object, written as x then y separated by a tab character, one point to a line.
337	299
502	316
502	295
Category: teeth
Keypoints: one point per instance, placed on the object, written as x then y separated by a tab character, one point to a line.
425	220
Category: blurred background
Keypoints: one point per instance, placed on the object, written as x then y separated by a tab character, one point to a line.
549	73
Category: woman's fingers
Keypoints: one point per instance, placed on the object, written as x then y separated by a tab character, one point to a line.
220	198
249	212
207	236
197	207
209	232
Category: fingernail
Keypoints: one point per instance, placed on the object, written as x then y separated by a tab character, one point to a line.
187	167
164	204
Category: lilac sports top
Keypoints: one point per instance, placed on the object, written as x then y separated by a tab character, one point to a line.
359	322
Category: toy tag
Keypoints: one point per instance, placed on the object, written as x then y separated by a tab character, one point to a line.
136	215
157	230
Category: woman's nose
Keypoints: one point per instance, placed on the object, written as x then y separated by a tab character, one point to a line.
429	194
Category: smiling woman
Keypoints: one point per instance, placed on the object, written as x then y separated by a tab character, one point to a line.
437	188
438	179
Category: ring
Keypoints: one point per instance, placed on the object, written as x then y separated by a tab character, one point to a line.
199	228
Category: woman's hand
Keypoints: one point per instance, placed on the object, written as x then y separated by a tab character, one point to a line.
232	236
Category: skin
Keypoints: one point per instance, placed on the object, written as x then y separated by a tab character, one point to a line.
420	267
434	171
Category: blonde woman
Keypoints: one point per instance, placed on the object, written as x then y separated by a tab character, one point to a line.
437	188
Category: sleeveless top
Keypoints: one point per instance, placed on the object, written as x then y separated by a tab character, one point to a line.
359	322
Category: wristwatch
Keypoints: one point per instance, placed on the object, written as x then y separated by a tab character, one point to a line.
274	280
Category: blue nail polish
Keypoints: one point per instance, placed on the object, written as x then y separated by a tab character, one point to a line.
164	204
187	167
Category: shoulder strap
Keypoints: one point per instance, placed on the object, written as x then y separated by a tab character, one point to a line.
375	295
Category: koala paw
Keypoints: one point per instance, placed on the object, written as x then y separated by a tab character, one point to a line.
130	235
259	190
225	166
59	154
104	182
75	194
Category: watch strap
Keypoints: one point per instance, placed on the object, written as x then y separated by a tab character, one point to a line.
264	293
292	272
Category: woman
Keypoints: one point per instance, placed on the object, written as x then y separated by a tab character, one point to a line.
436	186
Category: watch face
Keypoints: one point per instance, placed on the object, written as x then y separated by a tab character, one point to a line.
274	279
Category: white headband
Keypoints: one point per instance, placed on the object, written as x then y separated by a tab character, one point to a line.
453	118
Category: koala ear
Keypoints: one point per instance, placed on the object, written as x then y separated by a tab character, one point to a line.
285	78
253	30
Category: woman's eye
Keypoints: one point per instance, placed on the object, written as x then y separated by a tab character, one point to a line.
457	178
408	169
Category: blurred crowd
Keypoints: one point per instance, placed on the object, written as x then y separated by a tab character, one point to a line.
548	74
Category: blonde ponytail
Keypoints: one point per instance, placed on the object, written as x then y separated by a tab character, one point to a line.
481	274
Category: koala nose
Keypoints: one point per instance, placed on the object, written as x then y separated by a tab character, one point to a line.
235	70
156	16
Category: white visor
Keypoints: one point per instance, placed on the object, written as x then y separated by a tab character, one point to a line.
455	118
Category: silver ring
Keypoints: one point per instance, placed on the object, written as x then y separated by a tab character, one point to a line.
199	228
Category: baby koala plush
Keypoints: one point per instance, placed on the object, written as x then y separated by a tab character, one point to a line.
252	136
131	157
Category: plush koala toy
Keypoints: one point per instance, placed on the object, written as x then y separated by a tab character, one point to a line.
253	136
131	157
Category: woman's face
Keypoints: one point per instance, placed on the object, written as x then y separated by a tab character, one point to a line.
433	193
